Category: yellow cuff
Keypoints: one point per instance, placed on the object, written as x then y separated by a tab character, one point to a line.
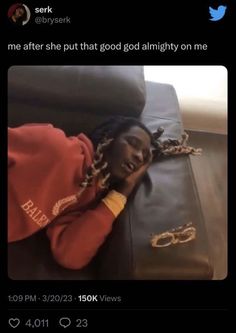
115	201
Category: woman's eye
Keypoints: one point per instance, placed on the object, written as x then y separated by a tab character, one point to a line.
133	142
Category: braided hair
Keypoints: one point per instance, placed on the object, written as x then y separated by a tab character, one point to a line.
104	134
113	127
109	130
172	146
101	138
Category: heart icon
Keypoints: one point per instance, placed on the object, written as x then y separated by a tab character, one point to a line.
14	322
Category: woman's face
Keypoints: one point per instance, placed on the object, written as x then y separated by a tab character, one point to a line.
128	152
19	12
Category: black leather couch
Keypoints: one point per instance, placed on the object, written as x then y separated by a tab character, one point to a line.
77	98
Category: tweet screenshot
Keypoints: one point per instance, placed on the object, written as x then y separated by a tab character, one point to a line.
114	125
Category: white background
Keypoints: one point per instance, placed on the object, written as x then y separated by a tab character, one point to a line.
201	91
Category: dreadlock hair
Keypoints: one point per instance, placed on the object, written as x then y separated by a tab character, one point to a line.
104	134
109	130
113	127
172	146
101	138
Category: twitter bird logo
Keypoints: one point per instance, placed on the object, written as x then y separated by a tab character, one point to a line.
217	14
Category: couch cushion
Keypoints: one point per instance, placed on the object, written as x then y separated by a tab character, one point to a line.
71	92
167	198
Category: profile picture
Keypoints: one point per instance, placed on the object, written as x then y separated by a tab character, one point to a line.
19	14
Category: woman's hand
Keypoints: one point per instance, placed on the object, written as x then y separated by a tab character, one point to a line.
129	183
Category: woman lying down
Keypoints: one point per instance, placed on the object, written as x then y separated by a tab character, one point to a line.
76	186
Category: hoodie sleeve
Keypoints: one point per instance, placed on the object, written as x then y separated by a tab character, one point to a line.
76	237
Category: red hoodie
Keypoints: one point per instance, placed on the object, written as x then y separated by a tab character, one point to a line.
44	167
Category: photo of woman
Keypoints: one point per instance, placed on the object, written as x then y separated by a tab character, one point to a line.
19	14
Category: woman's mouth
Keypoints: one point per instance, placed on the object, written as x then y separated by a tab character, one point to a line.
129	166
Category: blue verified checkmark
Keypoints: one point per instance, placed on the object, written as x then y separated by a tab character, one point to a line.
217	14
